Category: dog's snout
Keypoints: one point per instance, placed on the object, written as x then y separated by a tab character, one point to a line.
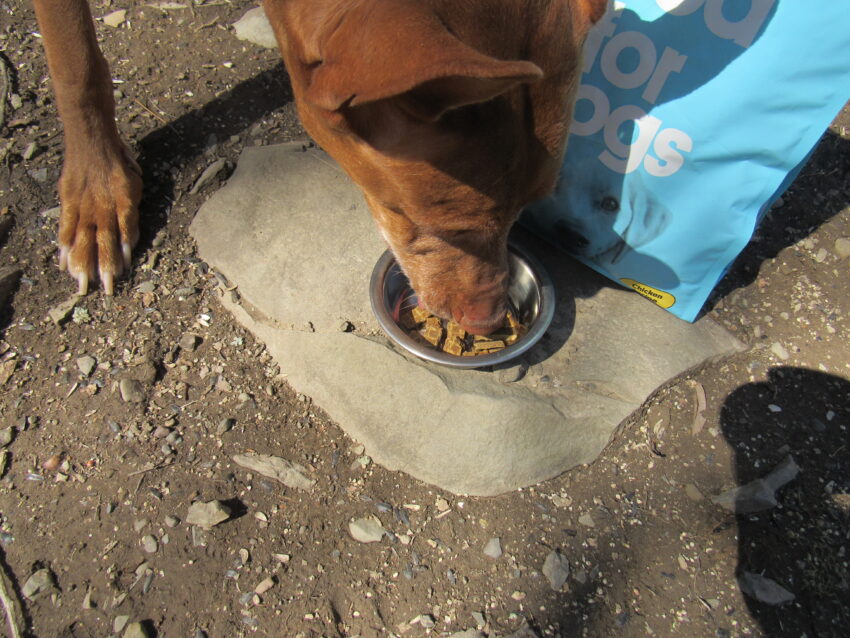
480	317
570	239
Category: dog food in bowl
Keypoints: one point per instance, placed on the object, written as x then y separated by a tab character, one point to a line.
531	300
450	338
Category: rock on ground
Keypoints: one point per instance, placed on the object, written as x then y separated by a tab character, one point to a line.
366	530
208	515
132	391
764	589
493	548
556	569
607	349
39	583
137	630
760	494
8	280
254	27
274	467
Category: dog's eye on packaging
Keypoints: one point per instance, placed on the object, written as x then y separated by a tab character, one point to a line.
693	116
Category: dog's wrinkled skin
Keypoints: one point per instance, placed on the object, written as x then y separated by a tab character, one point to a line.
451	116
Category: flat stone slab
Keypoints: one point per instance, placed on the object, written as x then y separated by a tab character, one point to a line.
295	234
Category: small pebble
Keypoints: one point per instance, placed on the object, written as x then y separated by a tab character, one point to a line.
41	581
146	287
85	365
208	515
188	342
136	630
6	436
119	623
479	619
556	569
842	247
149	544
427	621
693	492
779	350
131	391
115	19
224	426
493	548
208	175
366	530
264	586
59	314
30	151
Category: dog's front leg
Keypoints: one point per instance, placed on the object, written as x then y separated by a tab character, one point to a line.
101	184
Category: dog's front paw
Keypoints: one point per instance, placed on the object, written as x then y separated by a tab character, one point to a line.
99	225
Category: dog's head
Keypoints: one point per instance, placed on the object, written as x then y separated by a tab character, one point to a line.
451	116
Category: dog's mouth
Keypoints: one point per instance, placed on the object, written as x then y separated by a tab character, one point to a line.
612	254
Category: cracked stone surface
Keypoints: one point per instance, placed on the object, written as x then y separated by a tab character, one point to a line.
295	235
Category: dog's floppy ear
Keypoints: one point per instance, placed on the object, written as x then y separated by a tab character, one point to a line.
593	9
383	49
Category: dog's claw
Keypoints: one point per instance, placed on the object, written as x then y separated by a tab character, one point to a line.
108	280
83	284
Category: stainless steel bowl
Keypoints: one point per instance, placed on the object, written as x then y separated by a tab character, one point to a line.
531	295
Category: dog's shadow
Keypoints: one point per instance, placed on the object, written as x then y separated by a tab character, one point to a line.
166	152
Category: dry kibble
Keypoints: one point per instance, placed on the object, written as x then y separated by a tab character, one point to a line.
449	337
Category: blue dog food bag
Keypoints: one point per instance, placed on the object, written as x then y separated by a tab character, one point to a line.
692	117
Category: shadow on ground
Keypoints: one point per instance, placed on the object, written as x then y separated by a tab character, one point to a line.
165	152
802	543
816	196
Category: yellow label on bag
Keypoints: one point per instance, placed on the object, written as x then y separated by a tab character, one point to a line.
663	299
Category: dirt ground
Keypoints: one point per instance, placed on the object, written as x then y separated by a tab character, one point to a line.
96	490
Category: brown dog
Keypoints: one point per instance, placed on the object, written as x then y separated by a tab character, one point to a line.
451	116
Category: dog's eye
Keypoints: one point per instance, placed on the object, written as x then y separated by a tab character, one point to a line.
609	204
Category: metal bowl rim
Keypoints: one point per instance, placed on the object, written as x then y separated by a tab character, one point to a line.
546	313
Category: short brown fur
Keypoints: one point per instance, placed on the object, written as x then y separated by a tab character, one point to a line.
451	116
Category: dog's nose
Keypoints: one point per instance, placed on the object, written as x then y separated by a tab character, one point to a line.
482	316
570	239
